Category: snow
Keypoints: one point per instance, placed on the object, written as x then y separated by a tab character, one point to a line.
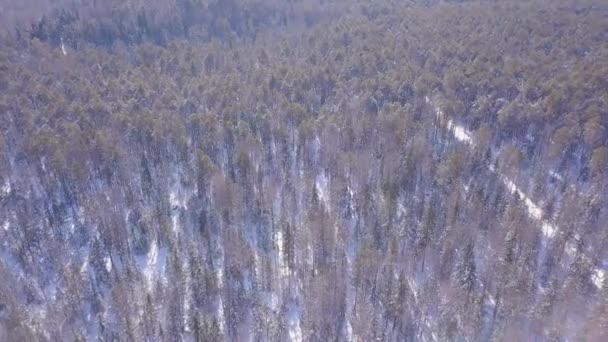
221	318
534	211
152	266
218	265
5	225
283	267
187	295
108	263
72	226
85	265
174	221
556	175
295	330
598	277
350	289
491	300
460	133
349	331
317	149
51	291
548	229
10	263
570	248
257	264
322	183
272	300
178	201
5	189
177	198
63	47
413	287
310	256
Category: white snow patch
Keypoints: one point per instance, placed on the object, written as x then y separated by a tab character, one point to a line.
85	265
272	300
322	183
350	291
174	221
460	133
72	226
401	209
556	175
6	188
257	264
63	47
283	267
349	331
413	287
295	330
177	198
108	263
80	215
533	210
491	300
598	277
220	314
310	256
218	265
317	149
548	229
51	291
570	248
152	265
5	225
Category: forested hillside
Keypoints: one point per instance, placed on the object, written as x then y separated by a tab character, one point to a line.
315	170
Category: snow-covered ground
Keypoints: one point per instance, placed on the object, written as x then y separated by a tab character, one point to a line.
283	268
5	189
151	265
322	183
294	320
63	50
548	229
350	288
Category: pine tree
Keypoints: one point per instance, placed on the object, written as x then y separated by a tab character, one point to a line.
424	235
289	245
465	273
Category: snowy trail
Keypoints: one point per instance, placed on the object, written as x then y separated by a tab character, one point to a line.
350	288
549	229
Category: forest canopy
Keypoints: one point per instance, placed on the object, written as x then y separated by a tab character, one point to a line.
302	150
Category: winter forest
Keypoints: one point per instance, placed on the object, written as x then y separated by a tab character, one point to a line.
303	170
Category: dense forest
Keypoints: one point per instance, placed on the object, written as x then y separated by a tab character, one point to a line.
304	170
